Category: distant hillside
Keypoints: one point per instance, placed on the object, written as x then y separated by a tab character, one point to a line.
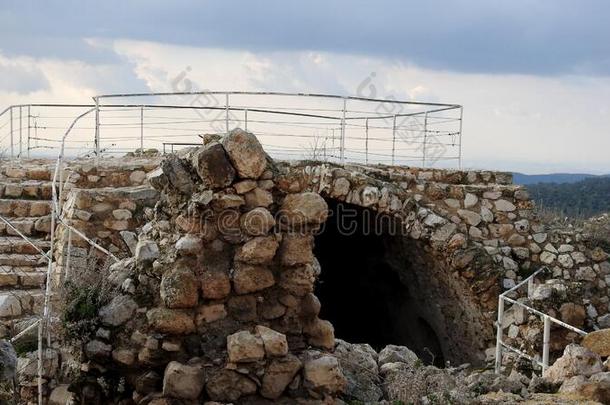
525	179
583	199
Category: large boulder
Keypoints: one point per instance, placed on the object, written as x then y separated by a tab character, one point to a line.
359	365
576	360
213	166
598	342
594	388
246	153
182	381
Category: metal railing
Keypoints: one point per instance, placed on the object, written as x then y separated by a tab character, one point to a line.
546	319
289	125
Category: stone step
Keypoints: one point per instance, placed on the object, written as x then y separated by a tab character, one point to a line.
29	170
25	189
24	208
18	303
19	260
28	226
15	244
19	277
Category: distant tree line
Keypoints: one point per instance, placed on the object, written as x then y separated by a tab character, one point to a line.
582	199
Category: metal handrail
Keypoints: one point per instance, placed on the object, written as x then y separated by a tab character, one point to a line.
547	320
340	118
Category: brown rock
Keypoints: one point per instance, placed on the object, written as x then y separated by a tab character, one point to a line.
323	374
215	284
576	360
598	342
250	278
573	314
213	166
243	308
278	374
258	250
182	381
170	321
274	342
299	280
246	153
211	313
321	333
229	386
302	209
244	347
257	222
296	249
258	198
179	288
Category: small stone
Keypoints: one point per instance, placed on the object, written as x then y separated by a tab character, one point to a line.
470	200
598	342
213	166
211	313
189	245
504	206
125	357
341	187
278	375
539	237
302	209
170	321
257	222
146	251
274	342
296	249
244	347
251	278
258	198
258	250
471	218
118	311
565	261
121	214
323	374
228	386
547	257
215	284
244	186
97	350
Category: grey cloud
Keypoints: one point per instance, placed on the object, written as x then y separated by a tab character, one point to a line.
543	37
19	79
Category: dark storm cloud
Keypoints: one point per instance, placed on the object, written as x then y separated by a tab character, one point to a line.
542	37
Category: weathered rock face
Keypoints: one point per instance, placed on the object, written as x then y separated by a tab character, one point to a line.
576	361
246	154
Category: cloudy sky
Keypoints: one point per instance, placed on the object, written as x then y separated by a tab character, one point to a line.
533	75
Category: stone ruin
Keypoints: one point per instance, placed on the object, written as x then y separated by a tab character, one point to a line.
235	280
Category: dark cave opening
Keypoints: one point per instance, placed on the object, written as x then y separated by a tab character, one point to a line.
362	293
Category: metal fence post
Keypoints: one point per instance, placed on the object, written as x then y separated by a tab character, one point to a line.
393	140
142	130
498	364
460	139
546	342
11	129
342	141
20	132
227	111
97	127
423	160
246	119
29	115
366	141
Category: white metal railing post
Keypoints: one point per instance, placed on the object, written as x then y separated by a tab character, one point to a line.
227	111
97	128
393	140
11	129
546	342
460	139
366	141
342	141
142	130
423	159
29	115
20	132
245	119
498	363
